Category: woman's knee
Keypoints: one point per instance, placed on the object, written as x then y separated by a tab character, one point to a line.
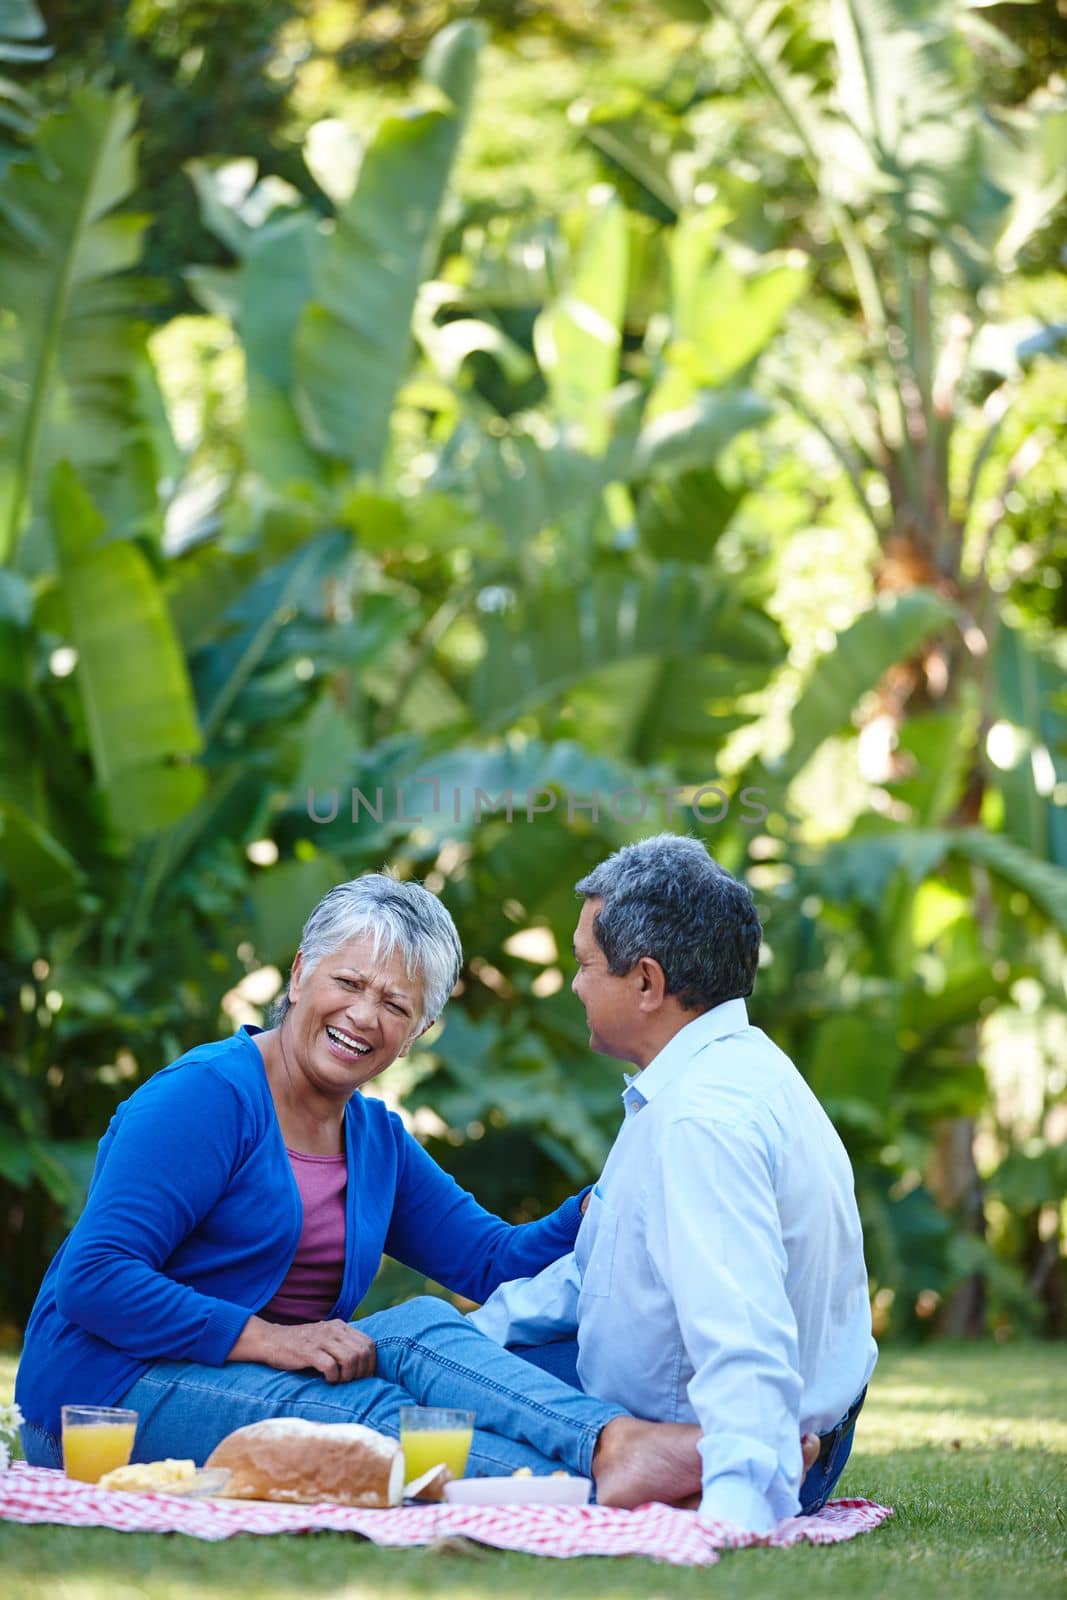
430	1308
414	1318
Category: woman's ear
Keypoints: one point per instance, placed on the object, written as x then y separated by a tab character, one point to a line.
294	977
424	1029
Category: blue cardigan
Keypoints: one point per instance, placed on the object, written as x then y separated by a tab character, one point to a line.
194	1216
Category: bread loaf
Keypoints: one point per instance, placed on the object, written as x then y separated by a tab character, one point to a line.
287	1458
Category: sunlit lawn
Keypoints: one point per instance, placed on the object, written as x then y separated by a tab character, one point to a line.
968	1445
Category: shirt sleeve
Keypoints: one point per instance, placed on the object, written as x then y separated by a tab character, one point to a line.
441	1230
170	1158
714	1234
533	1310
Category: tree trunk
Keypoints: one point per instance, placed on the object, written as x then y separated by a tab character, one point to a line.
955	1184
933	680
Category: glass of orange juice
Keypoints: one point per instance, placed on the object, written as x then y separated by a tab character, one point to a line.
95	1439
430	1435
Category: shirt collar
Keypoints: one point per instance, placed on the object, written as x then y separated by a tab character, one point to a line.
663	1069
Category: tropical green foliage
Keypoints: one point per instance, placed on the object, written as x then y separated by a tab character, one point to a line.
20	34
477	559
71	356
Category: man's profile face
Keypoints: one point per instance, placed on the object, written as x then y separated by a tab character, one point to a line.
607	999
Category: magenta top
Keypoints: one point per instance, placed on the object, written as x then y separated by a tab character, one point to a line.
313	1282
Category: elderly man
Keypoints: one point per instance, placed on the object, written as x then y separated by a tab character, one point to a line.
718	1274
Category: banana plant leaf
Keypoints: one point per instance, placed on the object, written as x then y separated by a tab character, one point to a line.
449	345
275	283
637	139
689	439
579	336
859	869
44	876
353	341
692	704
682	517
235	202
225	667
662	709
1030	698
928	1015
537	649
281	900
20	25
70	345
483	1070
1032	166
207	581
19	779
521	484
131	674
910	130
889	632
383	523
1028	1179
518	266
941	746
721	317
278	247
385	792
1043	881
855	1059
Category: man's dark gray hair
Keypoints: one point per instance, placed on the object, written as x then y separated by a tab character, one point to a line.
666	898
399	917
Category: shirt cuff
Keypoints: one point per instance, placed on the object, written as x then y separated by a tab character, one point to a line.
733	1499
220	1333
570	1212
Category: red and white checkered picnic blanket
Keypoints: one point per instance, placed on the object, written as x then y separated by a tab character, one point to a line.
42	1494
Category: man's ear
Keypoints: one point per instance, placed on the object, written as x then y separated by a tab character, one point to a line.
651	984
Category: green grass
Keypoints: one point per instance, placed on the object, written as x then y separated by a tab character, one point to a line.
969	1445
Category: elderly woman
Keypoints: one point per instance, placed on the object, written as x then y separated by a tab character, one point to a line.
239	1206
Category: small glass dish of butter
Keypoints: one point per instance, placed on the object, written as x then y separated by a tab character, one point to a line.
182	1478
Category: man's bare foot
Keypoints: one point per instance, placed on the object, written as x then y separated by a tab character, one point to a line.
636	1461
809	1450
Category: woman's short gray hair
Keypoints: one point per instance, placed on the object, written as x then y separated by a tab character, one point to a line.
666	898
400	917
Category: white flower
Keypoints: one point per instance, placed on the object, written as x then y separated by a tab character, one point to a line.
10	1419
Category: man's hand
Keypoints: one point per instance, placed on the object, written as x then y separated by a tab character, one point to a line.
809	1449
335	1349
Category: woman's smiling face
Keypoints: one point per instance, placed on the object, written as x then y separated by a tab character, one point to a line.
351	1016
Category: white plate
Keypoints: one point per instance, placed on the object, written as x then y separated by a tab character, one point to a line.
545	1491
208	1481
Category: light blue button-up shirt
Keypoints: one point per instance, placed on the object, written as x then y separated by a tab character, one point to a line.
718	1275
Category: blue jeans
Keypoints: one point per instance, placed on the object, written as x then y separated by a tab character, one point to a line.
561	1359
428	1354
836	1449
